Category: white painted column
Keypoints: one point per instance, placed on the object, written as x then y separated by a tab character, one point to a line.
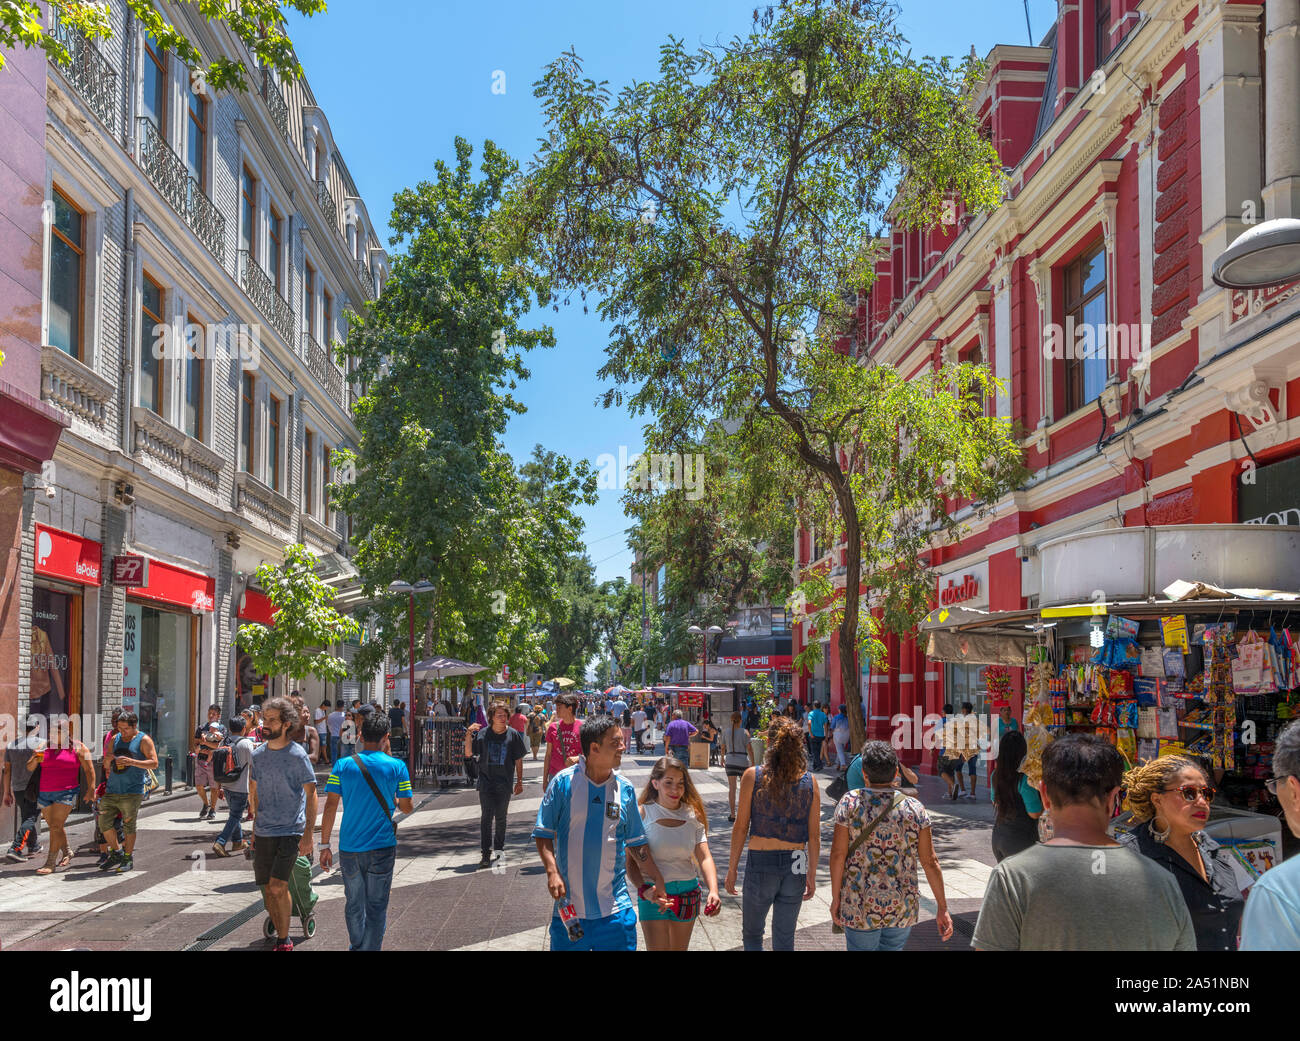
1282	109
1228	43
1002	347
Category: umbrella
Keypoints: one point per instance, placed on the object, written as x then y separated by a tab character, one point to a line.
563	682
440	668
618	689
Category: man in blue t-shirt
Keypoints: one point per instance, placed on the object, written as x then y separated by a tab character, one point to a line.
368	838
587	824
816	733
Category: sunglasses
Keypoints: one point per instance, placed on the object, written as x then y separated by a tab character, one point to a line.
1192	792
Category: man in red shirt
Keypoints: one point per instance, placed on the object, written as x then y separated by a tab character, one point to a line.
519	721
562	746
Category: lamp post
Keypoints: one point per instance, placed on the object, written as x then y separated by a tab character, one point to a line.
704	635
400	586
1266	255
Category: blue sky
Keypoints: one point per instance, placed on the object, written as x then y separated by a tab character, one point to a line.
399	88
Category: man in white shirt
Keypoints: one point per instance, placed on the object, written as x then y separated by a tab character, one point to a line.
334	724
638	729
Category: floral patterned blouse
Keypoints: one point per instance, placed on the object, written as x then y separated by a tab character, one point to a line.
880	886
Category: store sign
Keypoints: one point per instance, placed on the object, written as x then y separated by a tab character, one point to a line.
173	585
131	569
390	682
759	662
1268	494
60	554
685	700
968	586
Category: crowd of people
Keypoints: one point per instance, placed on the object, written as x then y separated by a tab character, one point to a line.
1061	882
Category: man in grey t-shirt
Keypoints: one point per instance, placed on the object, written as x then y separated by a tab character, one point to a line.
1082	891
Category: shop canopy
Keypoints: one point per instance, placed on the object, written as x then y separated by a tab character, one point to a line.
966	635
442	668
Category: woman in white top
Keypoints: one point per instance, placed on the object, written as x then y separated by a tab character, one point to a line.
676	824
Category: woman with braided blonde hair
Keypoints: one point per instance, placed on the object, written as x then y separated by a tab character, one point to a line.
1170	801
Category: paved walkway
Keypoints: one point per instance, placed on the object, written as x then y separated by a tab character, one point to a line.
440	901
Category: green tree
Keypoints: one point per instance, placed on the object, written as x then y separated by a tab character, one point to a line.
306	623
258	23
434	495
725	215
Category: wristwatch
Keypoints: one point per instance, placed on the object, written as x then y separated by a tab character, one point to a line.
323	845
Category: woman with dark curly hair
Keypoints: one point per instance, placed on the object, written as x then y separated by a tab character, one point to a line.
781	800
1170	799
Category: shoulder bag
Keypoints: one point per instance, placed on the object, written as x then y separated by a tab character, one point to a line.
863	835
383	803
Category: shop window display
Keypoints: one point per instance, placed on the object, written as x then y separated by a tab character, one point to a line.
158	676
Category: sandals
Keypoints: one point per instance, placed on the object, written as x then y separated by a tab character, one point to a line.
65	859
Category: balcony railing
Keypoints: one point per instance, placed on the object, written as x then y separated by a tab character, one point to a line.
261	290
93	77
171	177
327	205
275	103
325	371
367	279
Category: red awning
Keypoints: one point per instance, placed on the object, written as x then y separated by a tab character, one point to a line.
60	554
256	606
169	584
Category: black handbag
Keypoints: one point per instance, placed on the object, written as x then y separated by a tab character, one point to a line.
838	787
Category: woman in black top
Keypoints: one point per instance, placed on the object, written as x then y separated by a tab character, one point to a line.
1014	828
1170	798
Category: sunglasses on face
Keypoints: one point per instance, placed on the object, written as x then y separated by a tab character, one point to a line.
1192	792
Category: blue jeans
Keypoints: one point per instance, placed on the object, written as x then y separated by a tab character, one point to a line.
367	879
238	803
345	750
876	939
771	884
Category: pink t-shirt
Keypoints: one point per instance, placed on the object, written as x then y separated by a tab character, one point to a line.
564	744
59	770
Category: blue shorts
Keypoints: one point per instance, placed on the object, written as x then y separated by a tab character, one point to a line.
68	797
615	933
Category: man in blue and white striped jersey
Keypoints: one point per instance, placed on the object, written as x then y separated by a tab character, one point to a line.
587	825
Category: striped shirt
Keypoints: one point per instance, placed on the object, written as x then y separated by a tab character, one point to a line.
590	843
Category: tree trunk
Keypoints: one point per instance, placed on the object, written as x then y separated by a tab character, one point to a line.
850	671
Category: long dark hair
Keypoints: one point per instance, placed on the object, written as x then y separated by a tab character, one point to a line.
1012	750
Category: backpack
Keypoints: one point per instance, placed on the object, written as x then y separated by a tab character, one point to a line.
224	769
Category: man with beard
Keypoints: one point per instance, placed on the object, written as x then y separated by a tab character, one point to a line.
282	793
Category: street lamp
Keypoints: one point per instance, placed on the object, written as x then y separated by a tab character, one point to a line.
1263	256
704	635
410	590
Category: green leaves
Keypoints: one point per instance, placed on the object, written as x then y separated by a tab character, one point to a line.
259	24
770	160
306	624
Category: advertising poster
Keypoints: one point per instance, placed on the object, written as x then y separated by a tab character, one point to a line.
131	638
49	660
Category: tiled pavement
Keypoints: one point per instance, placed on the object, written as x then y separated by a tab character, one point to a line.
440	901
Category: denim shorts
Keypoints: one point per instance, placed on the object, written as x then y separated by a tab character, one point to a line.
67	797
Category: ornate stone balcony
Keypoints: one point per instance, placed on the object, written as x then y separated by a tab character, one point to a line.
261	290
327	204
327	374
73	387
313	533
175	449
275	103
258	502
87	70
171	177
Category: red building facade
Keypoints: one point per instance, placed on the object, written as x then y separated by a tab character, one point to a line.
1140	140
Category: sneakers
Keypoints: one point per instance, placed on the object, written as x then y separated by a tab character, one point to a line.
15	857
283	945
486	862
110	860
219	849
124	865
238	845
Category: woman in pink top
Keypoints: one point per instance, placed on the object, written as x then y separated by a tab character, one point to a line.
63	761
